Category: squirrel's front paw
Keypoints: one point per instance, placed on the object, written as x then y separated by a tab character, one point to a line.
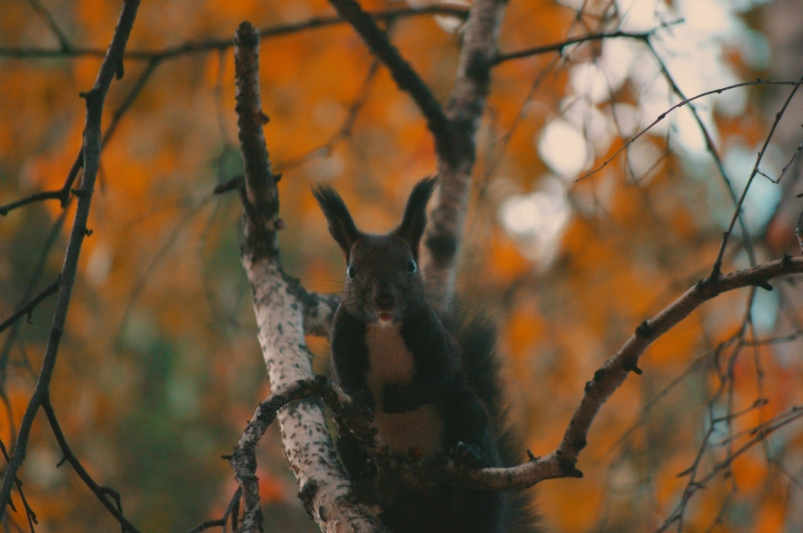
468	455
394	400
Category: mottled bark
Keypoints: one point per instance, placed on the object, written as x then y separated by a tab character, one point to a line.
281	306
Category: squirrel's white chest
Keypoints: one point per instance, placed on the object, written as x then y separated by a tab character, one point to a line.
389	360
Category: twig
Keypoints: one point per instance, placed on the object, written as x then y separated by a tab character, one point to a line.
101	492
28	308
221	522
709	143
45	14
129	100
346	128
209	45
559	47
63	194
738	209
680	104
38	197
95	99
29	513
38	270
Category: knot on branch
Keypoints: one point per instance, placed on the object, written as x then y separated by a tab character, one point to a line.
644	331
307	495
708	287
631	366
567	466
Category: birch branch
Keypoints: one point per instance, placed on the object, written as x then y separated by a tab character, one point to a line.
467	103
280	306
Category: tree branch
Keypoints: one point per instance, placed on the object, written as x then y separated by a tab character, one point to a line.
95	99
279	306
28	308
561	462
445	225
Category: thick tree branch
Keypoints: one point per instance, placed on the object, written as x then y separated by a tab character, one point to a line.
279	306
442	239
95	99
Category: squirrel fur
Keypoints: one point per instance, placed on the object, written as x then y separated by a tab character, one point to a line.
433	388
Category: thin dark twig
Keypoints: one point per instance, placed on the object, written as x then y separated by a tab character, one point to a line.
346	128
559	47
224	43
406	78
129	100
38	270
95	99
221	522
738	209
115	509
29	513
63	194
38	197
45	14
709	143
680	104
789	164
28	308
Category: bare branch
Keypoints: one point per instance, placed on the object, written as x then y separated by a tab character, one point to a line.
678	105
222	44
115	509
95	99
561	46
45	14
738	209
562	461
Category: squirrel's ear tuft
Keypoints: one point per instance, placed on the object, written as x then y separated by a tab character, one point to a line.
415	214
341	225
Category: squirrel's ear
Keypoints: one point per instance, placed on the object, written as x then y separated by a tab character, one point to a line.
341	225
415	214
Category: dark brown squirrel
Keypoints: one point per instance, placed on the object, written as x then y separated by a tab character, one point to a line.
428	392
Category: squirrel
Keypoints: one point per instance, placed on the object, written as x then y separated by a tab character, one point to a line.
429	393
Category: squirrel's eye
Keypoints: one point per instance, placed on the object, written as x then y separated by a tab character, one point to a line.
351	272
411	266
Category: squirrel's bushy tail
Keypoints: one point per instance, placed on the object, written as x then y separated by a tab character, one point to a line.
476	335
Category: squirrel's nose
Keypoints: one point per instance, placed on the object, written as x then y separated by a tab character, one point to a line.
384	299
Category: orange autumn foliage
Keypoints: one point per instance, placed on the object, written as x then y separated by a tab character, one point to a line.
160	368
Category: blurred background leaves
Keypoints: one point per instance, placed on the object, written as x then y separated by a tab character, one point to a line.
160	369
